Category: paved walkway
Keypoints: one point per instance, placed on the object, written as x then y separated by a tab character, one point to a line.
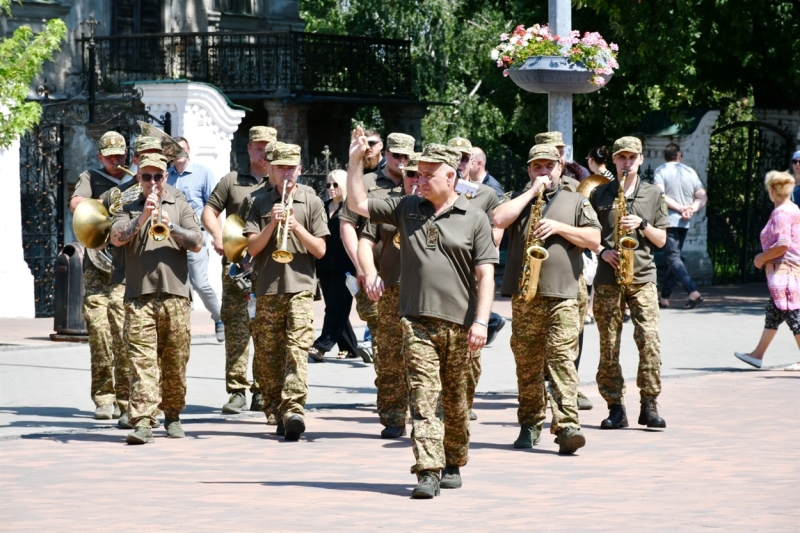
728	459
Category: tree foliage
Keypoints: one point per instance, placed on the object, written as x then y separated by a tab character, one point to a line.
22	57
674	54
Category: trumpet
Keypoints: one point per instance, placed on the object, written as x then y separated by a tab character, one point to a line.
282	254
158	230
125	170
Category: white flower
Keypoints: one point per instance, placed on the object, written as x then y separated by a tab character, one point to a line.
495	54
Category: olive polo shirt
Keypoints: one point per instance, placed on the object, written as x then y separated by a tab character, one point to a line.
157	267
485	199
233	189
438	254
569	184
558	277
649	204
300	273
377	185
389	262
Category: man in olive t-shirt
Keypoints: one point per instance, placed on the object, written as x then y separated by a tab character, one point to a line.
646	219
283	329
545	329
157	299
446	289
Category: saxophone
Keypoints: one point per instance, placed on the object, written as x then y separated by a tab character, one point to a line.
624	239
535	252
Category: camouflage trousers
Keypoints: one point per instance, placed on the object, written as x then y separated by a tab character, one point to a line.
283	332
545	339
95	312
609	305
390	369
116	321
368	312
583	300
233	312
159	338
437	364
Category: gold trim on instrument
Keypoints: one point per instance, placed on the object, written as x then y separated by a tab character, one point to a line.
282	254
158	230
234	243
535	252
625	240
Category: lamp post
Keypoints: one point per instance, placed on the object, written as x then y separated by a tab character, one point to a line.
559	116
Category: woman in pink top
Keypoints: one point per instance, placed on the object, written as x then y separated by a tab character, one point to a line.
780	240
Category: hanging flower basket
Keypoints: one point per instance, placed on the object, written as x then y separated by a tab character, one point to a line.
540	62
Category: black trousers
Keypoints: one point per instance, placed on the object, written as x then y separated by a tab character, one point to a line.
336	328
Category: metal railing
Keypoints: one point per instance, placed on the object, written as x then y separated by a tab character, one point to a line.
259	64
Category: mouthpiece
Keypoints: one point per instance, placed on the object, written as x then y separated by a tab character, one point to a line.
401	166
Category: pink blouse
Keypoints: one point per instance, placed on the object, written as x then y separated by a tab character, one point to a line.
783	273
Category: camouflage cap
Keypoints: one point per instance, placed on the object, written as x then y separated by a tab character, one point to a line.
461	144
153	160
112	143
627	144
439	153
400	143
287	155
543	151
143	142
550	137
263	133
269	150
412	162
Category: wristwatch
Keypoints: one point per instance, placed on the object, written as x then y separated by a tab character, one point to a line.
171	226
643	225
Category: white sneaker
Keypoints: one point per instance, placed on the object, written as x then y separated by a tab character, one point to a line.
795	366
752	361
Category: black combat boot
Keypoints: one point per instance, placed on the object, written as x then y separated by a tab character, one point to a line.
393	432
617	418
648	416
427	485
295	426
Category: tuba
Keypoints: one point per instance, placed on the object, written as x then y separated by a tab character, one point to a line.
158	230
625	240
282	254
91	221
535	252
591	183
234	244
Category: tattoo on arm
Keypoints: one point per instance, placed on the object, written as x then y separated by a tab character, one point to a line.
125	234
186	238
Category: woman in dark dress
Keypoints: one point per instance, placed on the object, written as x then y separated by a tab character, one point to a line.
331	271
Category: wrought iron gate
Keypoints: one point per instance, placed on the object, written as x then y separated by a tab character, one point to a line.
741	155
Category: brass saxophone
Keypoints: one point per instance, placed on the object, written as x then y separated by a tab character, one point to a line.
624	239
535	252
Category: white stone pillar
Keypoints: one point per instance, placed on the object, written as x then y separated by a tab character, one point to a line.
18	299
203	115
559	14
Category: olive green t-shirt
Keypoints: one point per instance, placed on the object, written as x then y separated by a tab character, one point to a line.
485	199
377	185
438	255
649	204
299	274
157	267
233	189
569	184
389	262
558	277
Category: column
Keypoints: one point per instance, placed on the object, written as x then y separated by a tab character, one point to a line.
559	14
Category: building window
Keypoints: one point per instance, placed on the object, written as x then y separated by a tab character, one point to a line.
244	7
133	17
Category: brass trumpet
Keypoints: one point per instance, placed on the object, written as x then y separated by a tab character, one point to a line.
158	230
282	254
125	170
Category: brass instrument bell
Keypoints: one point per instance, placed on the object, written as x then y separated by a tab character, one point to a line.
234	243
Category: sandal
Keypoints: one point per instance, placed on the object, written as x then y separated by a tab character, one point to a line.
691	304
342	354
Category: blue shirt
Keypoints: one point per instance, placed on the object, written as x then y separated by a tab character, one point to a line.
796	195
196	183
494	184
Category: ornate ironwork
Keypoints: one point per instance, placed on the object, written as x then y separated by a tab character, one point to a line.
316	173
741	154
42	203
259	64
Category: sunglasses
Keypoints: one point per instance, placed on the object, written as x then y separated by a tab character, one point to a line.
399	156
373	143
333	185
152	177
465	158
411	173
796	161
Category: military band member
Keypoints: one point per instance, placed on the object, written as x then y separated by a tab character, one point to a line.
228	196
446	290
116	299
93	184
157	299
399	148
545	329
384	287
283	329
647	219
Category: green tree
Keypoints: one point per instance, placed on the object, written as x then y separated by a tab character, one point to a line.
22	57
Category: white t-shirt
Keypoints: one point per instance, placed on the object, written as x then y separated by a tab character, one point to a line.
680	183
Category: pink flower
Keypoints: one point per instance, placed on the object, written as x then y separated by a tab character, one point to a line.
503	37
505	72
614	47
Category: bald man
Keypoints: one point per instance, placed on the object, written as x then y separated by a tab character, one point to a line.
479	174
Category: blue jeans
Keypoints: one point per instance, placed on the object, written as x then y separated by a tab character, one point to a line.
676	270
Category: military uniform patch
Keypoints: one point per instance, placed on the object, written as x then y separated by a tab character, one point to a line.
433	237
588	212
197	219
664	210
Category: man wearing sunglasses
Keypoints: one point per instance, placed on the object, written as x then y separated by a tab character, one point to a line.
384	288
95	184
379	184
373	159
229	195
157	299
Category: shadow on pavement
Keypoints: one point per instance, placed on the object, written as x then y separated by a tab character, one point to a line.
58	412
715	369
402	489
66	438
359	419
786	376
